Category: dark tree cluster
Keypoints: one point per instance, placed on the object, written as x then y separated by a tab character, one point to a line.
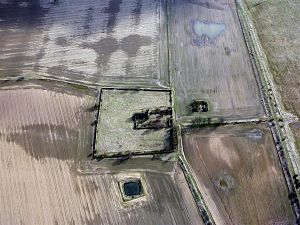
296	181
156	118
199	106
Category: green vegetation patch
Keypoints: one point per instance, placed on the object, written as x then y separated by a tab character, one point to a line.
116	130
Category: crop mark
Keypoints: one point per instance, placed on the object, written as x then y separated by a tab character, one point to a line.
132	43
61	41
34	135
112	10
104	49
88	19
225	182
136	12
107	46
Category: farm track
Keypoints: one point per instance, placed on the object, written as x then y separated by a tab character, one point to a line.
273	107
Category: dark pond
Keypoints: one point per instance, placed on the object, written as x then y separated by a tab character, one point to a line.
133	188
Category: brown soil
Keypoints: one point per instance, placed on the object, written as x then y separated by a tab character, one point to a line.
239	175
43	134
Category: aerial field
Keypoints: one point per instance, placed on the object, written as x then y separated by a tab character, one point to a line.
209	60
239	175
45	132
107	42
277	25
115	130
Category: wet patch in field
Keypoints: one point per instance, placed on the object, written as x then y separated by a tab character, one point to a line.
206	32
255	134
61	41
131	44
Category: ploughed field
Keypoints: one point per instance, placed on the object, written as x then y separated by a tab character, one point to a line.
46	135
238	174
107	42
209	60
49	172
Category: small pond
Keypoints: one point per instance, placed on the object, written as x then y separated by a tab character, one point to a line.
133	188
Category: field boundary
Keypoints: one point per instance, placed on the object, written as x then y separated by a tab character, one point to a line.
203	210
96	124
189	177
135	89
129	154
